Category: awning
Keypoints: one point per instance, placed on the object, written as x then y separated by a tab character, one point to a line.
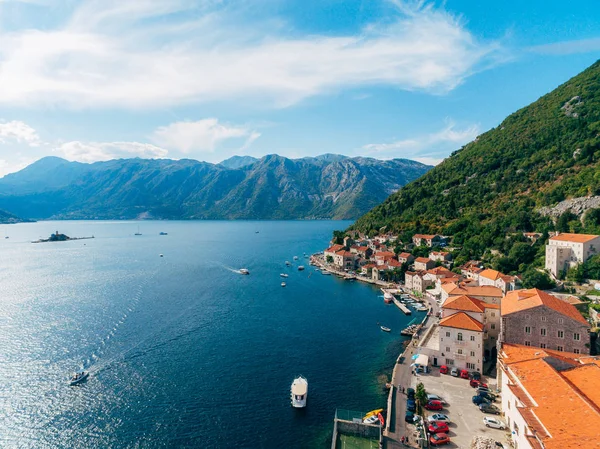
422	360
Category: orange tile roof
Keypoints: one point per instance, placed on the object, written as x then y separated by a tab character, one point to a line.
344	253
550	389
385	254
423	260
461	320
334	248
575	238
586	378
441	271
520	300
464	303
513	353
405	255
490	274
424	236
482	290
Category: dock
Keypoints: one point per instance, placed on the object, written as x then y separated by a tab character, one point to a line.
402	307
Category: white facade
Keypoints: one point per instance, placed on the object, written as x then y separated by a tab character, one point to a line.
568	250
510	406
461	348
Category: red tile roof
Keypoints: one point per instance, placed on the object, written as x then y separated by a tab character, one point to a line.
574	238
423	260
461	320
464	303
493	275
520	300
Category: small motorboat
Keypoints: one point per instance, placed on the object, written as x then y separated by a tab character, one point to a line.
299	392
283	275
371	420
162	233
283	284
295	257
385	329
325	273
78	378
301	267
244	271
160	255
288	263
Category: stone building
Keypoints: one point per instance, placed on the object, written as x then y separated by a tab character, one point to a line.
461	342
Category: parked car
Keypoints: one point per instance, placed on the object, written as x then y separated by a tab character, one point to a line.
411	405
410	393
489	408
438	427
434	405
437	439
439	417
464	374
475	375
482	386
477	400
477	383
454	372
443	369
486	394
494	423
435	397
409	417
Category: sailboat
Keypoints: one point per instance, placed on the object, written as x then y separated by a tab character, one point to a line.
138	231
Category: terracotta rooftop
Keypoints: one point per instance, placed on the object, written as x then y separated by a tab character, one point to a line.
464	303
385	254
520	300
575	238
491	274
344	253
461	320
546	389
483	290
404	255
334	248
441	271
422	260
424	236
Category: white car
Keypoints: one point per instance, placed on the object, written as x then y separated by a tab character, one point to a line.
435	397
440	417
494	423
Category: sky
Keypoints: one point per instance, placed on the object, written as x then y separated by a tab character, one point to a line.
93	80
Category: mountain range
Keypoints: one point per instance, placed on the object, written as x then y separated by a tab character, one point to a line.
272	187
496	185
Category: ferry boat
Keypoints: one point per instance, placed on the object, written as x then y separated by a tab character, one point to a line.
283	275
385	329
299	392
244	271
77	378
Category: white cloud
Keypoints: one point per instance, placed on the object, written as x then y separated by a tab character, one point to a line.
201	136
20	132
568	47
103	151
141	53
430	148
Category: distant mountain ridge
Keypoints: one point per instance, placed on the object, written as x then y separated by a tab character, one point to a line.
272	187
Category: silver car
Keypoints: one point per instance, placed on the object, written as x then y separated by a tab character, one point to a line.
494	423
439	417
435	397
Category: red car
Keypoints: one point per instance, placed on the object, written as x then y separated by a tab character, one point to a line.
443	369
438	427
477	383
434	405
437	439
464	374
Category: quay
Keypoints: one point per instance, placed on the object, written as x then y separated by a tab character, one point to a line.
402	307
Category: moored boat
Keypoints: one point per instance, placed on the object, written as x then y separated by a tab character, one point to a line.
77	378
385	329
299	392
288	263
283	284
283	275
372	413
301	267
295	257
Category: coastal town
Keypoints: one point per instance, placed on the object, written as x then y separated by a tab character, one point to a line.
493	360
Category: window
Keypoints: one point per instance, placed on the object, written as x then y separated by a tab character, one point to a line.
449	361
543	331
472	353
561	334
447	348
470	366
447	334
459	336
527	343
576	337
560	348
543	345
459	351
543	318
561	320
472	338
493	326
528	329
576	351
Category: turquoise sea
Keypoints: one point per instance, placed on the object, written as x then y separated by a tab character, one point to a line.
182	350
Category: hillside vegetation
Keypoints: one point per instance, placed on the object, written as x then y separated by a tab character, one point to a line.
538	156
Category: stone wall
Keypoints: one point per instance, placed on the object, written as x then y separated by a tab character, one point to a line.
576	206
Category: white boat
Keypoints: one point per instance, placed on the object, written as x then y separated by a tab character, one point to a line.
283	275
385	329
77	378
301	267
283	284
326	273
371	419
244	271
299	392
288	263
295	257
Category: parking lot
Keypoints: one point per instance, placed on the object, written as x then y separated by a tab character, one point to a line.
466	418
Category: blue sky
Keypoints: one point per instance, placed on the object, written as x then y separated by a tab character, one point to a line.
93	80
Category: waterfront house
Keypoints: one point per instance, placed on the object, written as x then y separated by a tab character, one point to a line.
330	252
461	342
565	251
536	318
550	399
363	251
486	293
428	239
496	279
423	263
415	282
344	260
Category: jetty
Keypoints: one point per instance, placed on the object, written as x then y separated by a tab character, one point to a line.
402	307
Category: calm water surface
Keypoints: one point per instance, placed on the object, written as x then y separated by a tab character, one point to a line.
182	350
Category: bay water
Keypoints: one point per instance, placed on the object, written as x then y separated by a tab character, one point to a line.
182	350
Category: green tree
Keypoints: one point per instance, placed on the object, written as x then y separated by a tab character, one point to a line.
533	278
338	237
563	223
576	274
329	259
421	397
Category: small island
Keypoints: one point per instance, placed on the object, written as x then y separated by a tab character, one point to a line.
58	237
